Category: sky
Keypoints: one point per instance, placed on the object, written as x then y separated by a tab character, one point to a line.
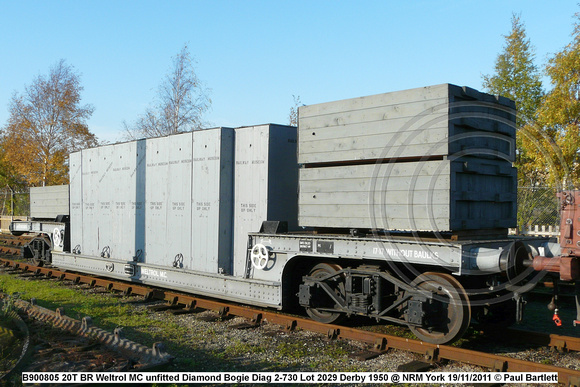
255	56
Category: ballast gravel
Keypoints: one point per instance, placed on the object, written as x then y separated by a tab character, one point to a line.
216	345
206	343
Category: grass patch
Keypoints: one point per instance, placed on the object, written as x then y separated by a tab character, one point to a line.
107	312
240	349
138	324
292	350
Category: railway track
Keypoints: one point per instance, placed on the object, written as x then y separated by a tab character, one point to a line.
378	343
11	245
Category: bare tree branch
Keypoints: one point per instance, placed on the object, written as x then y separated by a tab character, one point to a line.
181	102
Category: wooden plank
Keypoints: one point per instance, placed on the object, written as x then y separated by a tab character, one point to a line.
474	121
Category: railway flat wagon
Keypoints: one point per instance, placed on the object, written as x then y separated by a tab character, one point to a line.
339	217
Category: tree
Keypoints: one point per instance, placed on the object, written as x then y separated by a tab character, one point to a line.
293	116
518	78
10	183
8	176
560	111
181	102
46	123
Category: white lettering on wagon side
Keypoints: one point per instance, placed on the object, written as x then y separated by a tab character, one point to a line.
154	273
405	253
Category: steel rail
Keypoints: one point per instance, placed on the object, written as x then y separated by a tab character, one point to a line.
17	241
11	244
558	342
380	342
9	250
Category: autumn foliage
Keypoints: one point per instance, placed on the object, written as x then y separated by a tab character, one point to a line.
548	136
560	111
46	123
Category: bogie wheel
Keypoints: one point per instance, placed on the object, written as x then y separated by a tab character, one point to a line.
39	251
322	299
450	314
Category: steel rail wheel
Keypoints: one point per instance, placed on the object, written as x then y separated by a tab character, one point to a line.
323	300
448	316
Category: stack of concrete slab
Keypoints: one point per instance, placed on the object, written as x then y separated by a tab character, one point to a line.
430	121
436	158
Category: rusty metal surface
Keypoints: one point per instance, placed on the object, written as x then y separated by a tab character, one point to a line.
379	341
13	251
16	241
568	263
558	342
11	245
